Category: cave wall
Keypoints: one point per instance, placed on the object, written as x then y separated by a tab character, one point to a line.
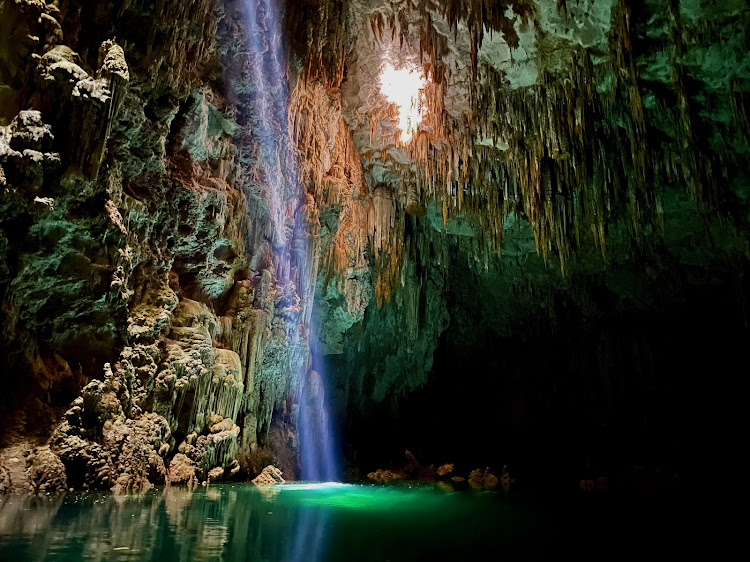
623	371
154	324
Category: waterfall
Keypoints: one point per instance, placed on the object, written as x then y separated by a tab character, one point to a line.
296	257
317	438
270	100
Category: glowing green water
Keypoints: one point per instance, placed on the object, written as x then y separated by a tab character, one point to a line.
294	522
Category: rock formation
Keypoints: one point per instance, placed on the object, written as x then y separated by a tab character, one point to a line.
268	477
163	285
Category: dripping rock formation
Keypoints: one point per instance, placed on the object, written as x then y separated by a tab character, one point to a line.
545	272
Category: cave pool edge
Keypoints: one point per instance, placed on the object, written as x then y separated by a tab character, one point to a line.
309	521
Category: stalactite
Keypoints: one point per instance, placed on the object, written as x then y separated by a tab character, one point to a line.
319	34
537	151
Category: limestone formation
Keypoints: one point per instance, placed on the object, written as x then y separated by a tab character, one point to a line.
181	470
382	476
479	479
5	481
45	472
268	477
180	258
445	469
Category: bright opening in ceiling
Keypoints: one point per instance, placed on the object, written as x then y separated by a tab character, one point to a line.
405	88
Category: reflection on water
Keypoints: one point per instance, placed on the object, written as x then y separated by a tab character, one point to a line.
242	522
336	522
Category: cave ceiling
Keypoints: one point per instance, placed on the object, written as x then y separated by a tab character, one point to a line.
568	149
576	115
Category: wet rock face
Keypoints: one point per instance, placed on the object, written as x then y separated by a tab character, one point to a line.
61	304
123	233
34	470
154	313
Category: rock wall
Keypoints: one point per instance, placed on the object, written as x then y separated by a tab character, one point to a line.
149	310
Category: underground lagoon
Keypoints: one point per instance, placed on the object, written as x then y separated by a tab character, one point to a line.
371	279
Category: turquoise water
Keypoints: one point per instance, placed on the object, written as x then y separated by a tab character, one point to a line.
315	523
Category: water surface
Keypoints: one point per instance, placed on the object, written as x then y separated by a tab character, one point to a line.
323	522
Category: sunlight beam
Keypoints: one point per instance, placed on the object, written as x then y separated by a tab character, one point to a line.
405	88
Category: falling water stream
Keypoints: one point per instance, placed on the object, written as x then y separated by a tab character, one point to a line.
318	458
270	102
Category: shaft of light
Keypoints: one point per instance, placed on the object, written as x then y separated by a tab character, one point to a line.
270	102
405	88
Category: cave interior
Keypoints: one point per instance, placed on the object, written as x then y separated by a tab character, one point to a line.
363	240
